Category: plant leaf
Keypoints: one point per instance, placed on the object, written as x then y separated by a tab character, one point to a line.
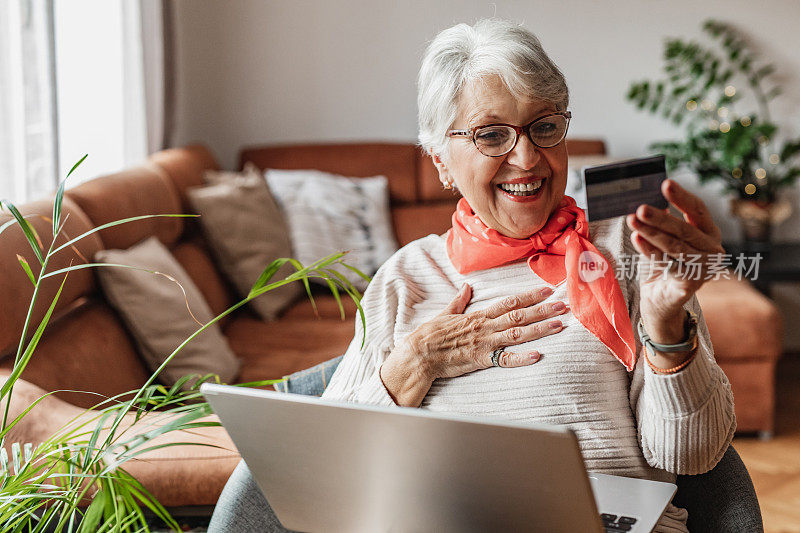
262	383
60	196
76	165
27	268
298	266
93	439
363	276
144	496
94	513
335	292
117	223
27	228
790	177
790	149
13	221
267	274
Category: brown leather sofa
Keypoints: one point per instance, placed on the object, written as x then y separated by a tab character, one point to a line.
87	348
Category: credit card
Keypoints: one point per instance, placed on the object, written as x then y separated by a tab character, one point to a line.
617	189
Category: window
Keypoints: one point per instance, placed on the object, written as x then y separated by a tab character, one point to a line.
99	86
28	150
71	83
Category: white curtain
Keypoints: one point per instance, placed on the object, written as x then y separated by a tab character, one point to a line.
156	43
28	138
76	77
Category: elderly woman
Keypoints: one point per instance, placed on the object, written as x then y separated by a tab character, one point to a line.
495	318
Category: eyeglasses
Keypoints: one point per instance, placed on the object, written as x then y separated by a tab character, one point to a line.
495	140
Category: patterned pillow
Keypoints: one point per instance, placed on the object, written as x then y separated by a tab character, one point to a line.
327	213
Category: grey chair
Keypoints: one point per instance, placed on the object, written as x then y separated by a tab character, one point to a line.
722	500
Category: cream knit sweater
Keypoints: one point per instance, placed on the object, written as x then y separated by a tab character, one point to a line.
636	424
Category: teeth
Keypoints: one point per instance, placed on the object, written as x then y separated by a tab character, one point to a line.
522	188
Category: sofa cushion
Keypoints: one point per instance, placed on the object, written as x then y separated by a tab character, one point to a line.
246	231
249	173
154	308
396	161
194	257
142	190
16	289
743	323
585	147
753	386
413	222
185	167
86	349
191	469
327	213
271	350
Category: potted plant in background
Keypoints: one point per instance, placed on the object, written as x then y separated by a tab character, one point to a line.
721	95
76	480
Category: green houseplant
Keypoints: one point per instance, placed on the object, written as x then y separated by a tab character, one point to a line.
721	96
76	480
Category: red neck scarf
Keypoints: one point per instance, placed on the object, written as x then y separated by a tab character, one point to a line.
560	250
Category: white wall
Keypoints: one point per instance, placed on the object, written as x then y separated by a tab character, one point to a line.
253	72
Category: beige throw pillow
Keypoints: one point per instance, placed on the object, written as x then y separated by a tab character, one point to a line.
154	309
246	232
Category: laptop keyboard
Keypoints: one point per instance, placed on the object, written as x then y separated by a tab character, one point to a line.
614	523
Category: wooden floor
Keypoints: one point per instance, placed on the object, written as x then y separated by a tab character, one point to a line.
775	465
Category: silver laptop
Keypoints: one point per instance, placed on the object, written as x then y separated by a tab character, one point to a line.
341	467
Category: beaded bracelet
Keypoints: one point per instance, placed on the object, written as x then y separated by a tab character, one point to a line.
672	370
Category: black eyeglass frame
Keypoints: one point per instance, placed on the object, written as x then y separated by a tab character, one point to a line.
471	133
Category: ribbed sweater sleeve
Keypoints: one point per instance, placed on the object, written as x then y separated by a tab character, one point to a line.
357	377
686	419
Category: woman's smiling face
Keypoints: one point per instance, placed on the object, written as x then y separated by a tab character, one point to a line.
481	179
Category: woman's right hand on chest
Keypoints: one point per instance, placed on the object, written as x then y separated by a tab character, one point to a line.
454	343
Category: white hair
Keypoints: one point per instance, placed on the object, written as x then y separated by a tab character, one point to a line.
463	54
